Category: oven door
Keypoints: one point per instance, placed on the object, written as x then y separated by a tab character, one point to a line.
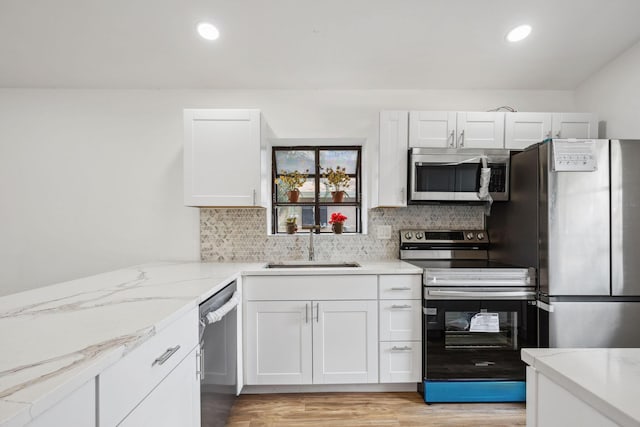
472	348
451	175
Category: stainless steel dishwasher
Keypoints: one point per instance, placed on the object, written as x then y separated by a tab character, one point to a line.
218	356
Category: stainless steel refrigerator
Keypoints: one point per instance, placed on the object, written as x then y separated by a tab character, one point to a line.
574	215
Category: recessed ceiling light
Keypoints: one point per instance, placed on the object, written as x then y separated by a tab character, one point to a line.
520	32
207	31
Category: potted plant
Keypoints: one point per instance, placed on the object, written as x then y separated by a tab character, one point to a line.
337	222
337	180
290	181
292	227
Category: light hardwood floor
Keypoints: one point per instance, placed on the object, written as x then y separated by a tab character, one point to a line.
367	409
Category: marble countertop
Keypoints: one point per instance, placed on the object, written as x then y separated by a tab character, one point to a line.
605	378
56	338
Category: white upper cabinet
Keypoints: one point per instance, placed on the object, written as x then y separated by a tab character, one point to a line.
447	129
574	125
432	129
524	129
392	159
222	157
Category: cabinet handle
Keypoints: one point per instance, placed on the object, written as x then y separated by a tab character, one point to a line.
199	364
548	134
254	197
401	306
405	348
166	355
306	313
402	288
452	137
558	134
317	312
461	139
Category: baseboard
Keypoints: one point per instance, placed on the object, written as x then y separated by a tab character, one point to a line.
327	388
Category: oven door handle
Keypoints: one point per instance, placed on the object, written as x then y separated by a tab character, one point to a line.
482	294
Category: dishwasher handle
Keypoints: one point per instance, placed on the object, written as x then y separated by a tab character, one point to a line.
216	316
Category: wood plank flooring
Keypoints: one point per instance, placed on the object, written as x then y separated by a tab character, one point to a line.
367	409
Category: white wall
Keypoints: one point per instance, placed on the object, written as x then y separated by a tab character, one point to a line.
614	94
91	180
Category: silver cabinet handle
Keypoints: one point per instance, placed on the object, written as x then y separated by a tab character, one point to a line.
401	306
166	355
401	288
306	313
402	195
404	348
317	312
452	137
199	364
254	197
548	135
461	144
558	134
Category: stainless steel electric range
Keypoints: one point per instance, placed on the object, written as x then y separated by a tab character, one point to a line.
477	316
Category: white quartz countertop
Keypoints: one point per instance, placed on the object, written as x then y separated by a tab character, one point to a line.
605	378
56	338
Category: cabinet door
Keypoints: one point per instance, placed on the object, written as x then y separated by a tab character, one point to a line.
221	157
400	320
524	129
77	409
480	130
432	129
278	342
392	159
345	342
575	125
174	402
400	362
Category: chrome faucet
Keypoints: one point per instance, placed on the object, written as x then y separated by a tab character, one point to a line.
312	229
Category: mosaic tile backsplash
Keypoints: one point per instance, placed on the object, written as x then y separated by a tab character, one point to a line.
240	234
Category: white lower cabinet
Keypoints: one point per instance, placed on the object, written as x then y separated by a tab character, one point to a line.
400	328
326	332
78	410
174	402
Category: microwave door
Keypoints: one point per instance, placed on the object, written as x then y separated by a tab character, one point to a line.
445	181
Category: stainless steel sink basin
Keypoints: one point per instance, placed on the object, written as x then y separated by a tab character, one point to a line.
312	264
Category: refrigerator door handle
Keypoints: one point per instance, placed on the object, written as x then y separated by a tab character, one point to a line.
544	306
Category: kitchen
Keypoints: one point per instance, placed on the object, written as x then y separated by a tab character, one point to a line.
92	126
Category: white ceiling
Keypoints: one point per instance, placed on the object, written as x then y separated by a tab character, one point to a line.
310	44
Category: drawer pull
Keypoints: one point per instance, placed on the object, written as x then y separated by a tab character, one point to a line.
166	355
405	348
403	288
401	306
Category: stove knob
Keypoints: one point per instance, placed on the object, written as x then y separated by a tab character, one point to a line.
470	236
480	236
418	235
408	235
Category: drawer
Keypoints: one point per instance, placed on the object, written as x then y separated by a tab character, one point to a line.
407	286
296	288
400	362
400	320
122	386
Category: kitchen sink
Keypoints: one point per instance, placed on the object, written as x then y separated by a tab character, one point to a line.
312	264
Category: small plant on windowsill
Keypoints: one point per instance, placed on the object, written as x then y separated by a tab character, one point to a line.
292	227
290	182
337	222
338	181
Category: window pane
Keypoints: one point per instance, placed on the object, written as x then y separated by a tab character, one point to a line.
307	192
344	158
350	191
348	211
291	160
284	212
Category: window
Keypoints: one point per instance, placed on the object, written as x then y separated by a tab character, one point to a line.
315	202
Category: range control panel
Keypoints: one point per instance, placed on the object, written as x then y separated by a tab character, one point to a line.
444	236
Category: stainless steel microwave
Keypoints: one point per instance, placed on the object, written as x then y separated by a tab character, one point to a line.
442	174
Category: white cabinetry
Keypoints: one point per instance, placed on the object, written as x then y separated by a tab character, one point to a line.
311	329
392	159
223	157
174	402
134	380
78	410
524	129
447	129
400	328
